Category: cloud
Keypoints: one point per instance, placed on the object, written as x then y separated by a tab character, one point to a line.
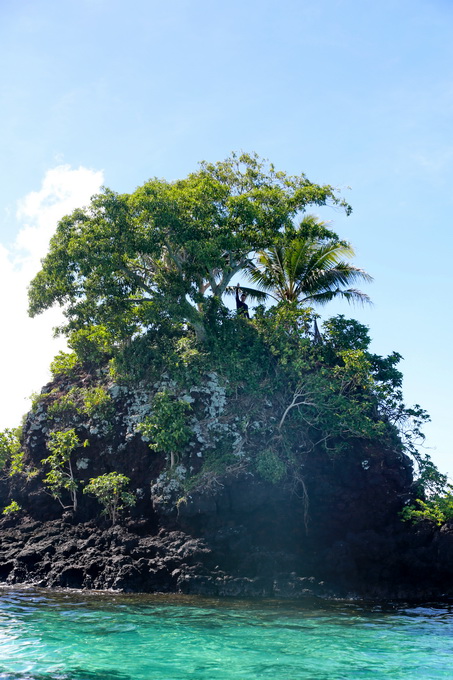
27	345
62	190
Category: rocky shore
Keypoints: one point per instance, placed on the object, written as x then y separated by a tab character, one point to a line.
244	539
329	527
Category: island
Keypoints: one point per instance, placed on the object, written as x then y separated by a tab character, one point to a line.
185	446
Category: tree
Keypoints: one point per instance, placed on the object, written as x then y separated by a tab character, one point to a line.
308	265
129	262
61	445
9	446
109	489
167	428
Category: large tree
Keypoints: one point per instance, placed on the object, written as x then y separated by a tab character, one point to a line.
308	264
129	260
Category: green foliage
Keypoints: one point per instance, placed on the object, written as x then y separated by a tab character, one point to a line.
141	278
434	497
97	403
11	453
341	334
189	358
93	345
430	482
270	466
403	424
353	370
409	422
166	428
437	509
60	476
216	463
9	446
235	350
148	354
336	390
333	409
128	263
64	364
37	400
285	329
109	489
11	508
17	465
93	402
64	406
303	265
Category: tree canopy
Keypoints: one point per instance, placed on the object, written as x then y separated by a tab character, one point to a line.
128	261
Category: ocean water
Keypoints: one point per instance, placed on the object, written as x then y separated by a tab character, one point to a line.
80	636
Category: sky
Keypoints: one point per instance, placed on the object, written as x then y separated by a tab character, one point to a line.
358	95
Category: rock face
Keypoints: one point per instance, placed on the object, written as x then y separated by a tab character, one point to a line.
333	530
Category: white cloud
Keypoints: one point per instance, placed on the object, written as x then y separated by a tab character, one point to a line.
61	192
27	345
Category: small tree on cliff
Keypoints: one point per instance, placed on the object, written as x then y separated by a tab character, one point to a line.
110	491
129	262
60	476
167	429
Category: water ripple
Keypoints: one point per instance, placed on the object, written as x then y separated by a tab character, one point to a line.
82	636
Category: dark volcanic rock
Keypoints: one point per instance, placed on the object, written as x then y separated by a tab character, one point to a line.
253	542
86	556
332	531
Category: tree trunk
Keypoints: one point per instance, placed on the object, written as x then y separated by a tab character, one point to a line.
195	319
200	331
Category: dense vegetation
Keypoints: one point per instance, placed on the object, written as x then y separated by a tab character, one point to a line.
142	279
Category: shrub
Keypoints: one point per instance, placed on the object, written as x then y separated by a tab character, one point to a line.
270	466
37	399
97	403
9	446
166	428
109	489
94	402
12	507
92	345
64	364
345	334
17	463
438	509
65	407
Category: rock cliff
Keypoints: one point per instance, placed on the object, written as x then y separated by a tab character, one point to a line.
222	520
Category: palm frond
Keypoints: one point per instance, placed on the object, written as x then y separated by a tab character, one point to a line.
308	268
309	264
253	294
351	295
335	278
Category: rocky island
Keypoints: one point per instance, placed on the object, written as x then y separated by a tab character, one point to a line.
184	447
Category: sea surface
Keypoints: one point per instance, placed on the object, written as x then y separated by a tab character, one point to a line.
86	636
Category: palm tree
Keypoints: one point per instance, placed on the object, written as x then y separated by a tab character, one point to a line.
309	265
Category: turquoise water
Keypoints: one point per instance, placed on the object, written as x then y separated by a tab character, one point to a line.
67	636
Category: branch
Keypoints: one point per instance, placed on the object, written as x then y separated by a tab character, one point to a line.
298	394
227	274
177	260
136	279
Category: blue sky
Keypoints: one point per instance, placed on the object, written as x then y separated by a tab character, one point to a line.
358	95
